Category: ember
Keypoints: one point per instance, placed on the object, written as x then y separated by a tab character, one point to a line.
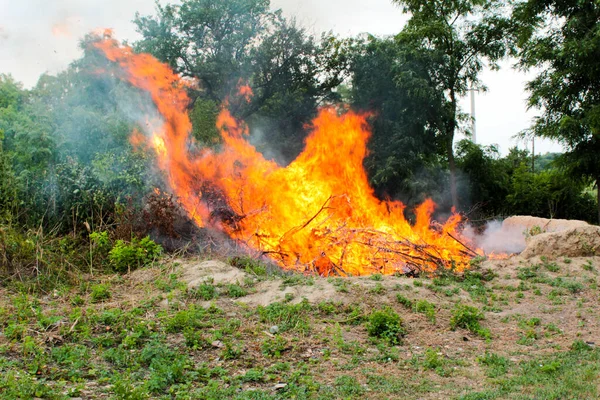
318	214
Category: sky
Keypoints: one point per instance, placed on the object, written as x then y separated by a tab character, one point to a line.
38	36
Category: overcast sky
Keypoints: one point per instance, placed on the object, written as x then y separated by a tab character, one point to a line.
39	36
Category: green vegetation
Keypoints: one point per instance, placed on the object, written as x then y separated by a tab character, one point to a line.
386	324
92	305
468	317
117	337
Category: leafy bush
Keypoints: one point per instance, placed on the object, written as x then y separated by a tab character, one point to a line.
427	308
126	257
468	317
100	292
386	324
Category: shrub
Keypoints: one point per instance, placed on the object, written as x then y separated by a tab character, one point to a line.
468	317
427	308
386	324
126	257
100	292
236	291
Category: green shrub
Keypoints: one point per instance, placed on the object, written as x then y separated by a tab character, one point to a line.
386	324
126	257
274	347
250	265
236	291
405	301
100	292
205	291
468	317
427	308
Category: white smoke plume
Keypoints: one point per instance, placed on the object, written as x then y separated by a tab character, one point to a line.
498	238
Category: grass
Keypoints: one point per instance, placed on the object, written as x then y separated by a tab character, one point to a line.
108	337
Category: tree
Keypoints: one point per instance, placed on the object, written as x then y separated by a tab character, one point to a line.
563	37
456	37
395	89
487	177
221	43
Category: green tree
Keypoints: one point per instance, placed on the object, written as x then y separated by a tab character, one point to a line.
396	90
564	38
221	43
457	38
486	175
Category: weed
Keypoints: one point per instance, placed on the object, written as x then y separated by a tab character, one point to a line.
287	316
100	292
404	301
377	289
427	308
588	266
496	365
125	257
236	291
376	277
387	325
468	317
274	347
249	265
348	387
204	291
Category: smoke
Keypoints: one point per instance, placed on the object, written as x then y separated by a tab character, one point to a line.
497	237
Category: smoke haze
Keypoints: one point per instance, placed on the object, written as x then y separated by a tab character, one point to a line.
498	238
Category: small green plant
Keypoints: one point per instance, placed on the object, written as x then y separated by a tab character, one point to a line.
588	266
468	317
435	361
250	265
204	291
496	365
287	316
378	289
236	291
100	292
534	231
405	301
376	277
386	324
125	257
427	308
274	347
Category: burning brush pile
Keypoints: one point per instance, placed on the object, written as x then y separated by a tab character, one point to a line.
317	215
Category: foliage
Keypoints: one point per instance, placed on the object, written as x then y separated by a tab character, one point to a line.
563	37
468	317
100	292
404	150
426	308
386	324
125	257
223	44
451	40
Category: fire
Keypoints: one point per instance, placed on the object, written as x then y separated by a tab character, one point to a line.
318	214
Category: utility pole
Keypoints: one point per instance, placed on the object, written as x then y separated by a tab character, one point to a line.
473	121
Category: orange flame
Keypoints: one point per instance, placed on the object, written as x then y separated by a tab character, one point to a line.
317	214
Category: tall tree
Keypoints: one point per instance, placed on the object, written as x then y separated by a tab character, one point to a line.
564	38
457	37
404	107
220	42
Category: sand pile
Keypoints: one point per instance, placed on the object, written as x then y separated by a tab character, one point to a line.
583	241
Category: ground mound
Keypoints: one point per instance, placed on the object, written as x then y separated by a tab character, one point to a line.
582	241
528	223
